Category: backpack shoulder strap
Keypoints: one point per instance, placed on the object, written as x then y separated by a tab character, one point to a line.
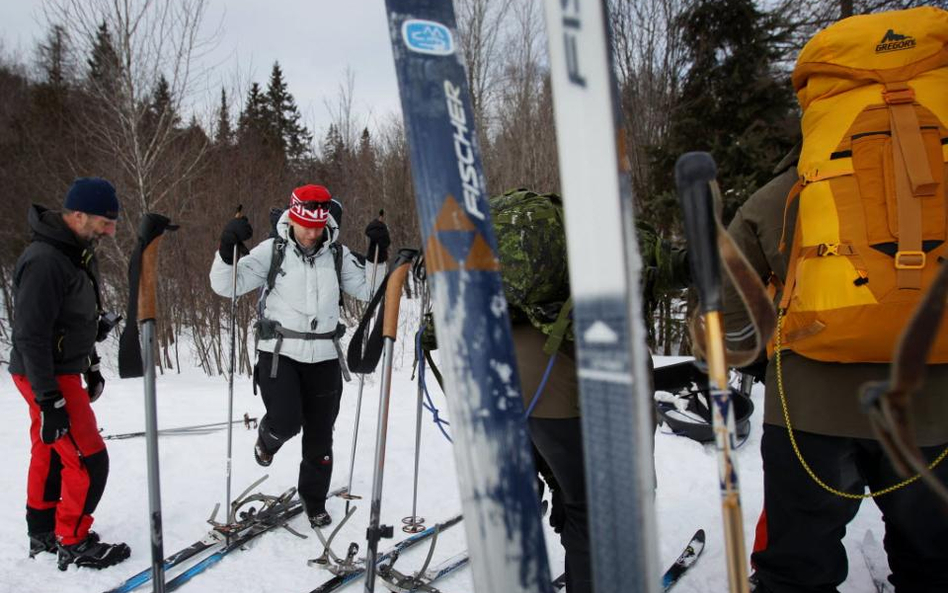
276	261
276	264
337	262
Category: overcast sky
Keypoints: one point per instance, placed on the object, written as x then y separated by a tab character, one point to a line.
314	41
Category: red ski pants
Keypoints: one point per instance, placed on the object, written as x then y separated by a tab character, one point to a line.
66	479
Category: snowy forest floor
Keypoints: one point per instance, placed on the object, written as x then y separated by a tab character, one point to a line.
192	474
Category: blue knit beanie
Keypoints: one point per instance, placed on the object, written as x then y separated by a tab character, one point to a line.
92	195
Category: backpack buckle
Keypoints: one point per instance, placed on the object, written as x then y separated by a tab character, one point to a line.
826	249
916	260
899	96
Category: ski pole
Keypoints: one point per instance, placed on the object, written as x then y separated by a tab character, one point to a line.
393	294
247	421
230	379
694	174
348	496
150	234
414	524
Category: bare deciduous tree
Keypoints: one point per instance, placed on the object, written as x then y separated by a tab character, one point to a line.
152	40
481	28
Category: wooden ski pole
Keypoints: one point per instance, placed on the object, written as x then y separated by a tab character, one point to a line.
150	234
694	174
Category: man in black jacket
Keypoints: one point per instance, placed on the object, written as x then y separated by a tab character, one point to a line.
57	320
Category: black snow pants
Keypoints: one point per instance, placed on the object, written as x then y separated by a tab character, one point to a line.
799	545
302	396
560	443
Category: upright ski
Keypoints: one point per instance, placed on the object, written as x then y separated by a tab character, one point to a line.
492	452
610	335
339	581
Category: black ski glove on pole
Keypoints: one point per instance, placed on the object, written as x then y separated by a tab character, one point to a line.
107	321
236	232
54	420
95	382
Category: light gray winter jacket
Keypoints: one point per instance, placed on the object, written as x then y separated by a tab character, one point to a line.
305	296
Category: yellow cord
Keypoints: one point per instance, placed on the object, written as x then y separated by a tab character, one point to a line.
786	417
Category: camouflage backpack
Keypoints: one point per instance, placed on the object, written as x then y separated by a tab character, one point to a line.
531	242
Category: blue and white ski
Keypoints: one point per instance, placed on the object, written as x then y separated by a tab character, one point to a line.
685	560
673	574
341	580
491	447
401	583
610	335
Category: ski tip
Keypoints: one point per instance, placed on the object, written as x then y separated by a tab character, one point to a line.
699	535
694	167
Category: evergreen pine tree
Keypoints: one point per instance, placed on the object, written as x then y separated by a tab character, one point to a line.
285	117
160	112
224	133
253	123
104	65
734	103
54	58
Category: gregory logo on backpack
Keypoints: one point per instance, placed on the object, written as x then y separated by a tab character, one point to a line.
428	37
892	41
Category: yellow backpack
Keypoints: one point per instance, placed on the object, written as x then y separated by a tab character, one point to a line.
865	225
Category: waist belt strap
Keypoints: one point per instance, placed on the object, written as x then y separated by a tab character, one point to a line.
282	332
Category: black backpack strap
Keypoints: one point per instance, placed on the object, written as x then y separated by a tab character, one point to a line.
365	360
337	261
276	261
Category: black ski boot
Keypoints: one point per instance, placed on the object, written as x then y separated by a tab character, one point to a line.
46	542
92	553
320	519
42	542
260	453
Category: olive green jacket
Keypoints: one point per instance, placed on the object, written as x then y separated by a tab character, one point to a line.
821	397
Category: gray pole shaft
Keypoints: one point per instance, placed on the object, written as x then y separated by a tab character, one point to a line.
414	492
151	447
230	387
355	429
355	434
371	555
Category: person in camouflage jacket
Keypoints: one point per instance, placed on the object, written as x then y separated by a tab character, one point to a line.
537	286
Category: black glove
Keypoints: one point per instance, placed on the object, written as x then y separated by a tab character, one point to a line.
557	510
107	321
236	232
54	420
95	382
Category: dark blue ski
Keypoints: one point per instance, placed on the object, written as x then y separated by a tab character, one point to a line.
267	520
137	580
492	451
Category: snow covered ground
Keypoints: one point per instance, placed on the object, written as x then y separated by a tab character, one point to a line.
192	473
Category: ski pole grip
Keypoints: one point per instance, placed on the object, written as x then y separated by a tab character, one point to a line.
150	232
148	283
694	172
393	292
